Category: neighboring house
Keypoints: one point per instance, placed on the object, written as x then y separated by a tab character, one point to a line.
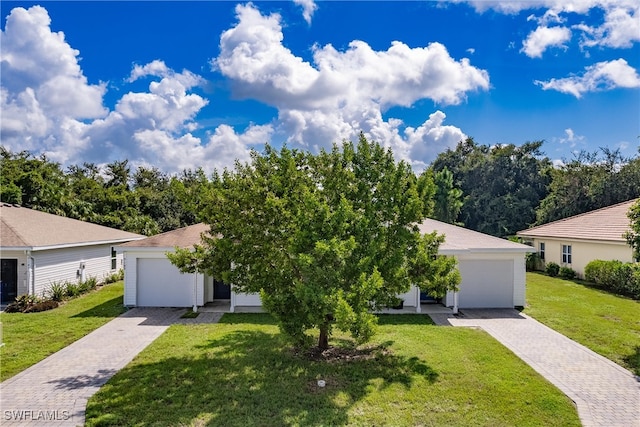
492	269
575	241
38	249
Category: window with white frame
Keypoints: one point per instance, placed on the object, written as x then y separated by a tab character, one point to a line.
566	254
541	250
114	258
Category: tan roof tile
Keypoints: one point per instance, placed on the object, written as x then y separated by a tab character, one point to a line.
609	224
23	227
184	237
459	239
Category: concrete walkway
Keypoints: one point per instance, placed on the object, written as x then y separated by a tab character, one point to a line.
605	393
55	391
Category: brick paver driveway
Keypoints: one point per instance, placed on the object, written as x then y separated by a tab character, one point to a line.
605	393
55	391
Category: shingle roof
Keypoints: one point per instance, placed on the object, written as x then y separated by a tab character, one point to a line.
184	237
28	228
608	224
460	240
457	239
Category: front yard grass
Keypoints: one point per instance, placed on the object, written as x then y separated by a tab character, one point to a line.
605	323
30	337
241	372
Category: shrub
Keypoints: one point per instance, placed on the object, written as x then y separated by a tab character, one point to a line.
615	276
42	306
552	269
87	285
22	303
533	261
71	289
114	277
57	291
567	273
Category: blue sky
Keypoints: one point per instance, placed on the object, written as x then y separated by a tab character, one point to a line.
199	84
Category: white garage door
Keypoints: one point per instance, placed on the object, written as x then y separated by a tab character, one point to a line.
486	284
160	284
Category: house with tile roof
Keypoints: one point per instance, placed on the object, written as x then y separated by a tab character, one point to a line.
575	241
492	270
38	249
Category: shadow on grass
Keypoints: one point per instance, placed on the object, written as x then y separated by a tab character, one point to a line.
249	378
633	360
109	308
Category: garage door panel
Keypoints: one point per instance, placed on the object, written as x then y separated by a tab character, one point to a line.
486	284
160	284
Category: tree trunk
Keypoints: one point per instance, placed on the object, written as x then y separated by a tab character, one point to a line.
323	339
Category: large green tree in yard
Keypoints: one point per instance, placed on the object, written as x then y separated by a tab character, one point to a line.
325	239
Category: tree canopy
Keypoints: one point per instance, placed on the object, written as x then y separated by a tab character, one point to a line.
633	235
325	239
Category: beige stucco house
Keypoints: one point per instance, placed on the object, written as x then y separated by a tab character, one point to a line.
577	240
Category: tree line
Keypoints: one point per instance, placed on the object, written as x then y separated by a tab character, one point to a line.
497	190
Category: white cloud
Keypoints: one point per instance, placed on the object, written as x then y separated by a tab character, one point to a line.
431	138
308	9
41	71
571	138
342	92
619	27
543	37
605	75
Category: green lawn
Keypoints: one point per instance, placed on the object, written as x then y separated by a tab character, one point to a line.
30	337
605	323
241	372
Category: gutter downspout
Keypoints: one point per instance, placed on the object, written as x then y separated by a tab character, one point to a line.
31	273
195	292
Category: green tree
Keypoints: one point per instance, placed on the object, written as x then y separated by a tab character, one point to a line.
502	184
591	180
633	236
324	239
448	199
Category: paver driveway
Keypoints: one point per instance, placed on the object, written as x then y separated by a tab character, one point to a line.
55	391
605	394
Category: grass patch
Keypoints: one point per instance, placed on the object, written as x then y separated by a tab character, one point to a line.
30	337
190	315
242	372
607	324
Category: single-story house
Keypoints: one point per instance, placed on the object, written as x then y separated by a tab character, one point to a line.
38	249
575	241
492	270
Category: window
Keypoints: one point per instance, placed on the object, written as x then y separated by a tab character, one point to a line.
541	251
114	259
566	254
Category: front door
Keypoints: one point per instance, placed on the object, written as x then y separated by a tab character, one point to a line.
8	280
221	290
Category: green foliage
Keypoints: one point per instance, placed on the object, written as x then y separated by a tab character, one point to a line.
71	290
22	303
567	273
87	285
589	181
57	291
114	277
533	261
325	239
622	278
448	199
502	184
552	269
633	235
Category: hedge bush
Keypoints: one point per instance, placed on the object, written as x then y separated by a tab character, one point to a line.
552	269
567	273
620	277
